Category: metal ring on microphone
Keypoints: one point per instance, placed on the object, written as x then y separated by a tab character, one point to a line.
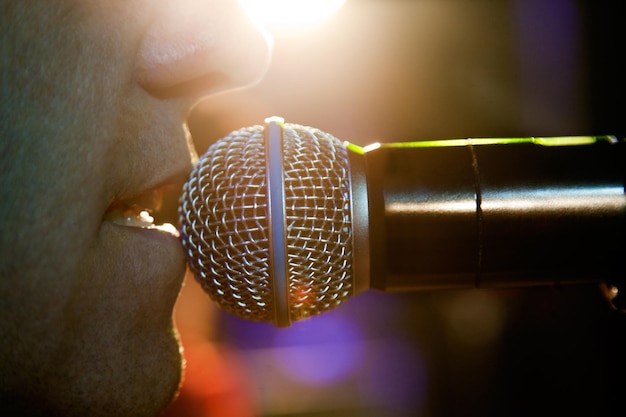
278	262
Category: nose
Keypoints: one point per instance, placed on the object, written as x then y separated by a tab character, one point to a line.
200	47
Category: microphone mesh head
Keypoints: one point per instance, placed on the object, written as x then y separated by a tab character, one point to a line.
224	223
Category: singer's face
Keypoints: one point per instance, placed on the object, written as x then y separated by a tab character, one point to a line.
93	98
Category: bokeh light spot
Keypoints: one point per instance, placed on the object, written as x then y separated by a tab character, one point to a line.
322	350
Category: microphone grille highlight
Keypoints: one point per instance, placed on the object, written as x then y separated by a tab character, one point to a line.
225	224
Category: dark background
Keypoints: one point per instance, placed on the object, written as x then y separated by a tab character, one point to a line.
395	70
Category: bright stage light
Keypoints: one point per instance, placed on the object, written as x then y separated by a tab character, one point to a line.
291	12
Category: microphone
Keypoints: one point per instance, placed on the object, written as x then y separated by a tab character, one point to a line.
280	222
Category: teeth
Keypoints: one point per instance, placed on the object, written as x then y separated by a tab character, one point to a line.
168	228
131	218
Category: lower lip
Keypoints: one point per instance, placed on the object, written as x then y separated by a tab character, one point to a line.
155	248
167	232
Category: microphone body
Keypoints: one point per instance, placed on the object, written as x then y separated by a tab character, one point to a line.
496	213
281	222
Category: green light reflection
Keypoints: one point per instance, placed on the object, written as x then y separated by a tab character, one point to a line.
543	141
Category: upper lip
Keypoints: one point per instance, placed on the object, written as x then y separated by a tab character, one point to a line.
145	183
152	196
150	155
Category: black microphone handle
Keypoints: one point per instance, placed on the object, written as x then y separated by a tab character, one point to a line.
488	213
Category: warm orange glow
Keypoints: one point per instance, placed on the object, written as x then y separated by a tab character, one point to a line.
291	12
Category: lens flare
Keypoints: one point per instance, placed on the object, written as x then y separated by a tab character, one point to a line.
291	12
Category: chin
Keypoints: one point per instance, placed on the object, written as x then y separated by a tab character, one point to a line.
162	379
138	383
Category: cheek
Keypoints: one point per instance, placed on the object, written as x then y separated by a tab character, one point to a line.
53	221
75	301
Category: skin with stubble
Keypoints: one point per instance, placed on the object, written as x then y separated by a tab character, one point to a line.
93	97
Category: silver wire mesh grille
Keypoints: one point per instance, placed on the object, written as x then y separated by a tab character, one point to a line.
224	228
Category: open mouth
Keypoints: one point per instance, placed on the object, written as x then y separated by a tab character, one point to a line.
149	210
